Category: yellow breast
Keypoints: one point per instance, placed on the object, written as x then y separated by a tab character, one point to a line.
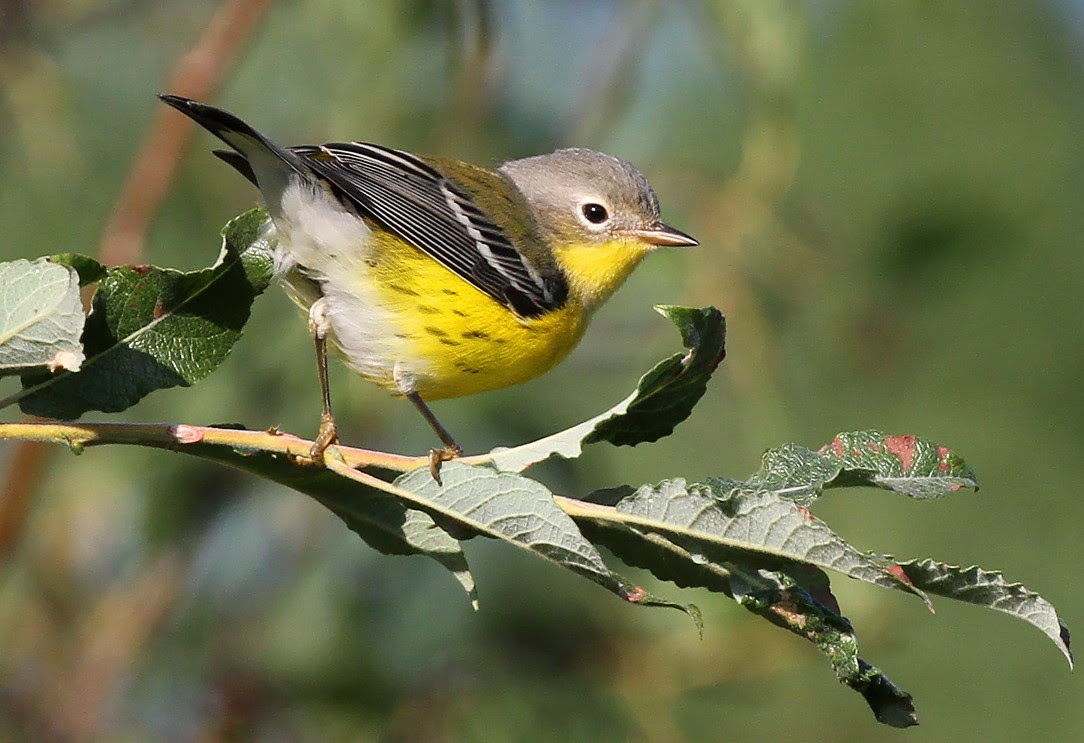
442	337
459	341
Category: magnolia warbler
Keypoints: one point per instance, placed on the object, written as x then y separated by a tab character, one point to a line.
435	278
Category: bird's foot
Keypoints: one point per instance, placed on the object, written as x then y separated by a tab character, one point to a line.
325	437
437	457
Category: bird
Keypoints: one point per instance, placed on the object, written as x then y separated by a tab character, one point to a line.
435	278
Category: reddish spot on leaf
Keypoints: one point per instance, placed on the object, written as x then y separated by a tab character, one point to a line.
807	515
159	310
142	269
635	594
897	571
874	446
787	610
904	449
942	458
837	447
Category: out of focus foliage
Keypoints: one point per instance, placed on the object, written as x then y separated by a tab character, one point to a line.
887	196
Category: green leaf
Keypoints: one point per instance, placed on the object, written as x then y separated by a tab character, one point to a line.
990	589
152	328
664	397
719	525
667	394
41	318
523	512
90	271
794	472
383	521
387	525
908	464
784	602
649	551
797	599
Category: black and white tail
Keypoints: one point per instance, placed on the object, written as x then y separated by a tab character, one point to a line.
261	161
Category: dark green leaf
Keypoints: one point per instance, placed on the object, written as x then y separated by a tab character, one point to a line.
794	472
90	271
784	602
904	464
664	397
152	328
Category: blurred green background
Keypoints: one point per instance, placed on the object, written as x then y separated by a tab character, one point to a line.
889	200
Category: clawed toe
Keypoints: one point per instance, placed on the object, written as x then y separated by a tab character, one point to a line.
437	457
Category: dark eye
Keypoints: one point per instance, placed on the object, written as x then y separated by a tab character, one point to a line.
595	213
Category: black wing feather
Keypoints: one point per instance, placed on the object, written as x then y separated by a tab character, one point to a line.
416	202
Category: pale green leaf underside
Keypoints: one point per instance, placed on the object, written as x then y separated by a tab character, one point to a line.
756	529
989	589
523	512
41	317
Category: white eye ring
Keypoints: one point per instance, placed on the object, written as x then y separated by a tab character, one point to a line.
594	214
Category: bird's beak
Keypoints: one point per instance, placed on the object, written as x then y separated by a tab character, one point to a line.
662	235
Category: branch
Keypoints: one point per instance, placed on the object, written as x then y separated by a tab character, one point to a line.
181	437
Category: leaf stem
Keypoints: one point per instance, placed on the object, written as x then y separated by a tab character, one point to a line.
20	394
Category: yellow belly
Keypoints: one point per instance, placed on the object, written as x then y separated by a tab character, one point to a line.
405	322
459	340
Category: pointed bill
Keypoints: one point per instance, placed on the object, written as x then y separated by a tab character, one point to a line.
662	235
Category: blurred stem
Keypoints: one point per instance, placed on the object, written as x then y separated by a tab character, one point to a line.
472	82
153	168
196	75
110	641
765	41
27	465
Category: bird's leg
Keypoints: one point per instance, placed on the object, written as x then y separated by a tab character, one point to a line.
319	326
451	449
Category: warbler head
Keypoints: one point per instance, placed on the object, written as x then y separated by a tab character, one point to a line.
596	212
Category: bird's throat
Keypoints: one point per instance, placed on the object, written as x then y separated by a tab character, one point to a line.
595	272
